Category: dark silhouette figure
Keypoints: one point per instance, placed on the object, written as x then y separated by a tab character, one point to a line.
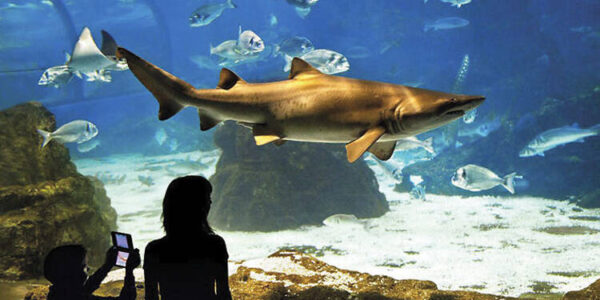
190	261
66	268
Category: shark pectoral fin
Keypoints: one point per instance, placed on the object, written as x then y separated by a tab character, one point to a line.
383	150
356	148
207	122
301	67
228	79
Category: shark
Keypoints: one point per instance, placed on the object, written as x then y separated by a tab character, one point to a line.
309	106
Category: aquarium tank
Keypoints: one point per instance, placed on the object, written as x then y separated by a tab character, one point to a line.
436	149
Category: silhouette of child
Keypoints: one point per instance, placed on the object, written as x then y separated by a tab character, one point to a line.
190	261
66	268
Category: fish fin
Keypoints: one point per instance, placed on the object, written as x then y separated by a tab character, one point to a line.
264	135
356	148
67	57
207	122
541	154
230	4
428	145
509	182
47	136
596	128
166	88
109	45
301	67
383	150
302	12
228	79
86	46
212	49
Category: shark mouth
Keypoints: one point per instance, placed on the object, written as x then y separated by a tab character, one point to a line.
455	113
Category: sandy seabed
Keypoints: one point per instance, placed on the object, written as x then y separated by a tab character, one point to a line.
498	245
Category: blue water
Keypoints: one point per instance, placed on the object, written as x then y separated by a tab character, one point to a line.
521	53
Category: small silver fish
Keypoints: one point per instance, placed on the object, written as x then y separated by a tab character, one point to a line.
294	46
412	143
160	136
76	131
446	23
302	6
481	130
207	13
326	61
249	42
88	146
56	76
341	220
476	178
553	138
457	3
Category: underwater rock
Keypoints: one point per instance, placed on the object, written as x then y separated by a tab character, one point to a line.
589	293
44	202
270	188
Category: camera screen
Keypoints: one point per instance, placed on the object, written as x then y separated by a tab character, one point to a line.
122	241
122	258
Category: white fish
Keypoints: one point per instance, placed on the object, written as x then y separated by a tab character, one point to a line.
160	136
88	146
457	3
249	42
446	23
326	61
273	20
173	144
470	116
553	138
56	76
86	58
294	46
342	220
302	6
207	13
412	143
391	168
476	178
481	130
75	131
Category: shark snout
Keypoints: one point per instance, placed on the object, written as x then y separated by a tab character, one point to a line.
460	104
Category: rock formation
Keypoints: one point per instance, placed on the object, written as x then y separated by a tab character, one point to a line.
44	202
279	187
290	274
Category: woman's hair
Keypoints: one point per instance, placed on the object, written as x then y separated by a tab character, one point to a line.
62	261
186	205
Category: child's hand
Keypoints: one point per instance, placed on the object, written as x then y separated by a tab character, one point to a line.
134	260
111	256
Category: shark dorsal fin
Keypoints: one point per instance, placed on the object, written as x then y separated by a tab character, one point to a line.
109	46
228	79
301	67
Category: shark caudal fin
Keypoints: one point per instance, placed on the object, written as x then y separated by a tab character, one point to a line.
46	136
509	182
168	90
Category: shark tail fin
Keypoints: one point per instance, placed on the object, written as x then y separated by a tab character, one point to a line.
47	136
428	145
509	182
230	4
169	91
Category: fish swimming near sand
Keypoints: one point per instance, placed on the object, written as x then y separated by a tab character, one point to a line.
553	138
476	178
342	220
310	106
88	146
75	131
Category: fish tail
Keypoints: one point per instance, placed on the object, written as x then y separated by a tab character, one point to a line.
169	91
509	182
428	145
230	4
596	128
46	135
427	27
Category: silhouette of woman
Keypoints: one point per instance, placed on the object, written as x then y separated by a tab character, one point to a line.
190	261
